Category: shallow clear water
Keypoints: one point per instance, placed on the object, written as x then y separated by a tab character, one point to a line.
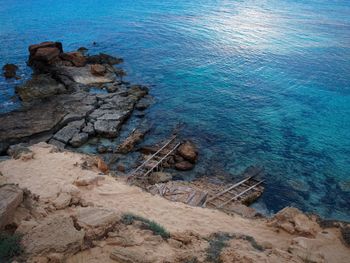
256	82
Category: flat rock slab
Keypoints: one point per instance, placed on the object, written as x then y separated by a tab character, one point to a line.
55	234
96	221
11	196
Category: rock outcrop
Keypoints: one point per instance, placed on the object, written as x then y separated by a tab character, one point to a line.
55	234
61	109
292	220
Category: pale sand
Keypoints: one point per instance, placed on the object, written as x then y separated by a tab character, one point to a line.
47	172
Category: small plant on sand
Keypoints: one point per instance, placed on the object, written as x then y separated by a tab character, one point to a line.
9	247
217	243
157	229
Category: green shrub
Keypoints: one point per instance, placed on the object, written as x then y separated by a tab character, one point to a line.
157	229
217	243
10	246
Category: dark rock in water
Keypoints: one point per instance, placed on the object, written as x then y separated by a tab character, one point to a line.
140	114
44	54
102	149
79	139
121	168
76	58
129	143
98	70
10	71
144	103
138	91
147	150
104	59
112	87
40	86
184	166
188	151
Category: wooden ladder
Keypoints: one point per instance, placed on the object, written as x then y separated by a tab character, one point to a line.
154	162
233	193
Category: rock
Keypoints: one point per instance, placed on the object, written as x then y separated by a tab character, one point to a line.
10	71
103	59
102	166
90	179
129	143
55	234
79	139
82	50
40	86
102	149
58	144
107	128
144	103
83	75
303	248
130	255
292	220
62	201
89	129
345	232
147	150
188	151
184	166
98	70
96	221
159	177
76	58
10	198
68	132
34	48
18	151
138	91
121	168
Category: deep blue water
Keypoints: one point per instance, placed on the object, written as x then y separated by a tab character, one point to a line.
264	82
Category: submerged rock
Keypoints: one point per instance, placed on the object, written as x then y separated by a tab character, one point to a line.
184	166
40	86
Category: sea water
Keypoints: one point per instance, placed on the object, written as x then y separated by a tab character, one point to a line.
256	82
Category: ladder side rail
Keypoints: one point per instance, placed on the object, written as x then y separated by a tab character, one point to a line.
150	158
236	196
161	160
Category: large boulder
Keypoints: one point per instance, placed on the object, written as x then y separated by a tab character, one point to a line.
40	86
10	198
98	70
188	151
55	234
43	54
103	59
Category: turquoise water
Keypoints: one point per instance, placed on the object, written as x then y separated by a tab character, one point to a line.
256	82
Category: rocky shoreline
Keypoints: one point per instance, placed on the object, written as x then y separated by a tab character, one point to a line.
58	103
73	98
